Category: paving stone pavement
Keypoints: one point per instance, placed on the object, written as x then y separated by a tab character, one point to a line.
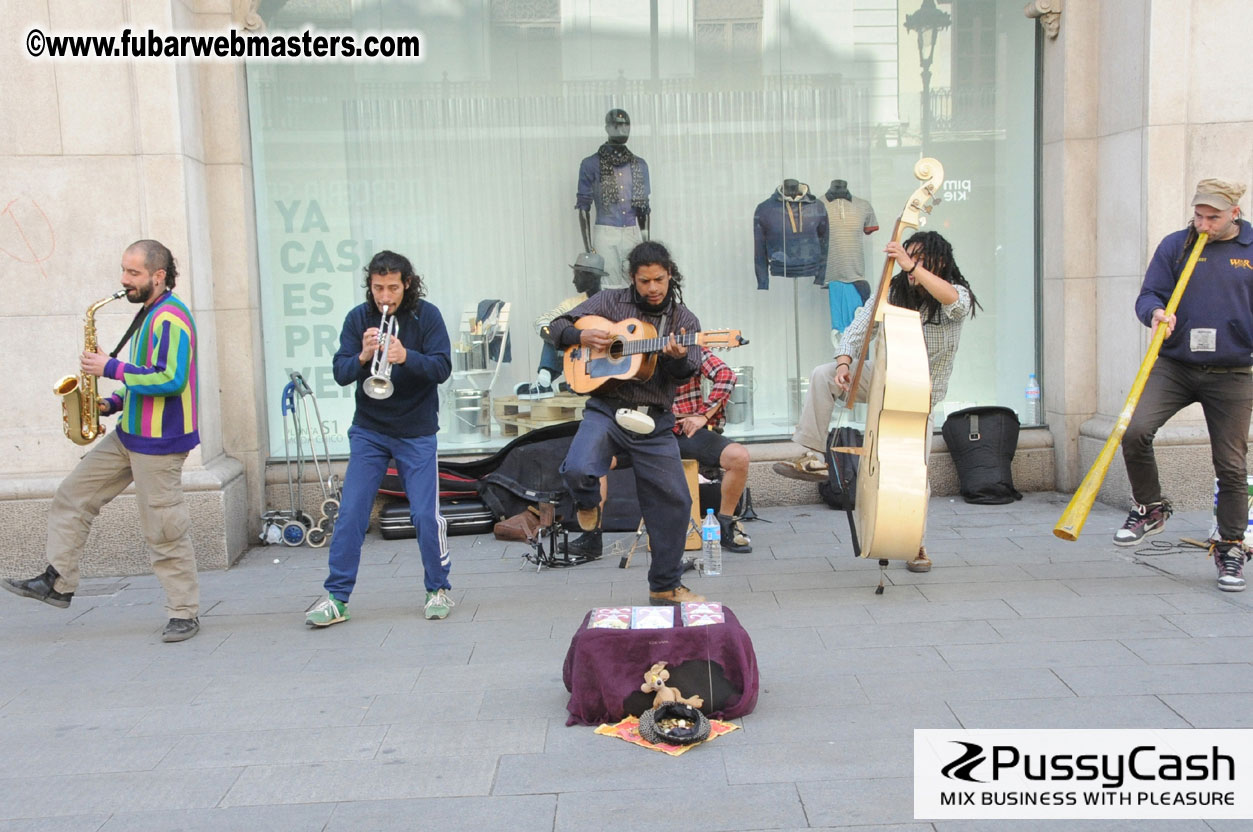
391	722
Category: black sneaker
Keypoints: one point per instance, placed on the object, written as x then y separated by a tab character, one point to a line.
1143	521
589	545
534	391
733	537
1229	557
40	588
180	629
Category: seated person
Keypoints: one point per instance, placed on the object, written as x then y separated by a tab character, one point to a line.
589	268
697	428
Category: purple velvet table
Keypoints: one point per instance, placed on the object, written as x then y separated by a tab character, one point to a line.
605	667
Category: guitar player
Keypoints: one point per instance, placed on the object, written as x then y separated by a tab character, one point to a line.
635	416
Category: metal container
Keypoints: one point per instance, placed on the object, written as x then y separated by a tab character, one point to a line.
472	413
740	404
797	389
470	353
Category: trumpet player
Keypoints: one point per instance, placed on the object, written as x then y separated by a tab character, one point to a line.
155	431
400	424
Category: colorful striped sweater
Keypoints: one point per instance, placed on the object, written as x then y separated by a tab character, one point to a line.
158	403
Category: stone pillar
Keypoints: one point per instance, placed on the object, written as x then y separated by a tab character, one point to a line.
94	155
1132	119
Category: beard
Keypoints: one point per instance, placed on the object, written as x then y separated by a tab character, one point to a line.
643	303
140	294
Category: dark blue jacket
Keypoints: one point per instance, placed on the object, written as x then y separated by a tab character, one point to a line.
413	408
1219	296
790	238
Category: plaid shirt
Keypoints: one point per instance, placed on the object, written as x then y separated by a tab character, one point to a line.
688	401
941	339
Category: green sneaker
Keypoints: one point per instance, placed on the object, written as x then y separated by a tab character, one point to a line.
326	612
437	605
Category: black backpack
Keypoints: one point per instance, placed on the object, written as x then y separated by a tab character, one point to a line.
840	489
982	441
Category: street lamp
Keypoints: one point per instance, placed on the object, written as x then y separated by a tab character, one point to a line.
927	20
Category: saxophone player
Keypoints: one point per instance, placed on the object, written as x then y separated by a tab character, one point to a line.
155	431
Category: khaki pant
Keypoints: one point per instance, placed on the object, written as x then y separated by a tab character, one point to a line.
614	243
815	420
103	474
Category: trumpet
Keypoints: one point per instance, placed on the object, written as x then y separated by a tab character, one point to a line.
379	384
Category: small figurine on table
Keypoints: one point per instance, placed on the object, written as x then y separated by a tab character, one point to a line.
655	680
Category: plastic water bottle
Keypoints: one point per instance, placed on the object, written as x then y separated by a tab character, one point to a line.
1031	411
711	536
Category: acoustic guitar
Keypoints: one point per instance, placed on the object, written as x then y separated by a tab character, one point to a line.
891	507
632	356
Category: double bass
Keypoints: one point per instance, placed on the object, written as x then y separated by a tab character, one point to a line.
891	505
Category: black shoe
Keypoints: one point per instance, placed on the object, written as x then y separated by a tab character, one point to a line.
180	629
40	588
733	537
589	545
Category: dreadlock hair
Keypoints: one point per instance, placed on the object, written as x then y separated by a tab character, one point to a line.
389	261
653	253
156	258
936	256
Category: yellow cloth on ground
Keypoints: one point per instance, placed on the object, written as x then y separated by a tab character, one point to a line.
629	730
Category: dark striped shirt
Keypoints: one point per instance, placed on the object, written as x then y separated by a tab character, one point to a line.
618	305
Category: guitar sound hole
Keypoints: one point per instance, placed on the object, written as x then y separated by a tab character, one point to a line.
615	349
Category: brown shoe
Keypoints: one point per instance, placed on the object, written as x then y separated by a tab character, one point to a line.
588	518
679	595
809	466
922	563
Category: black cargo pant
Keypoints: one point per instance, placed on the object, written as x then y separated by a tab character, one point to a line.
1226	398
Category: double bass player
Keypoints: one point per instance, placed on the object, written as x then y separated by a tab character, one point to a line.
928	281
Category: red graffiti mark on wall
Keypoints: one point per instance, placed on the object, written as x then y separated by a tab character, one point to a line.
26	233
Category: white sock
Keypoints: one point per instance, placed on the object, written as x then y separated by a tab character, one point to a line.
544	378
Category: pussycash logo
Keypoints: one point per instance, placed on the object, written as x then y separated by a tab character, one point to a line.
963	767
1144	763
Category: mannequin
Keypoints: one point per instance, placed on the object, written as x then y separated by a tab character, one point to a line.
589	269
790	235
838	190
616	180
849	218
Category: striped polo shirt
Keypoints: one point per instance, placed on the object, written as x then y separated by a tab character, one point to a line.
848	221
158	401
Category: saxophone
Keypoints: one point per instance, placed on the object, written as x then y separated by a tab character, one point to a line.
80	411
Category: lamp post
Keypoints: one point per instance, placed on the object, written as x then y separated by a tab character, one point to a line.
928	20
